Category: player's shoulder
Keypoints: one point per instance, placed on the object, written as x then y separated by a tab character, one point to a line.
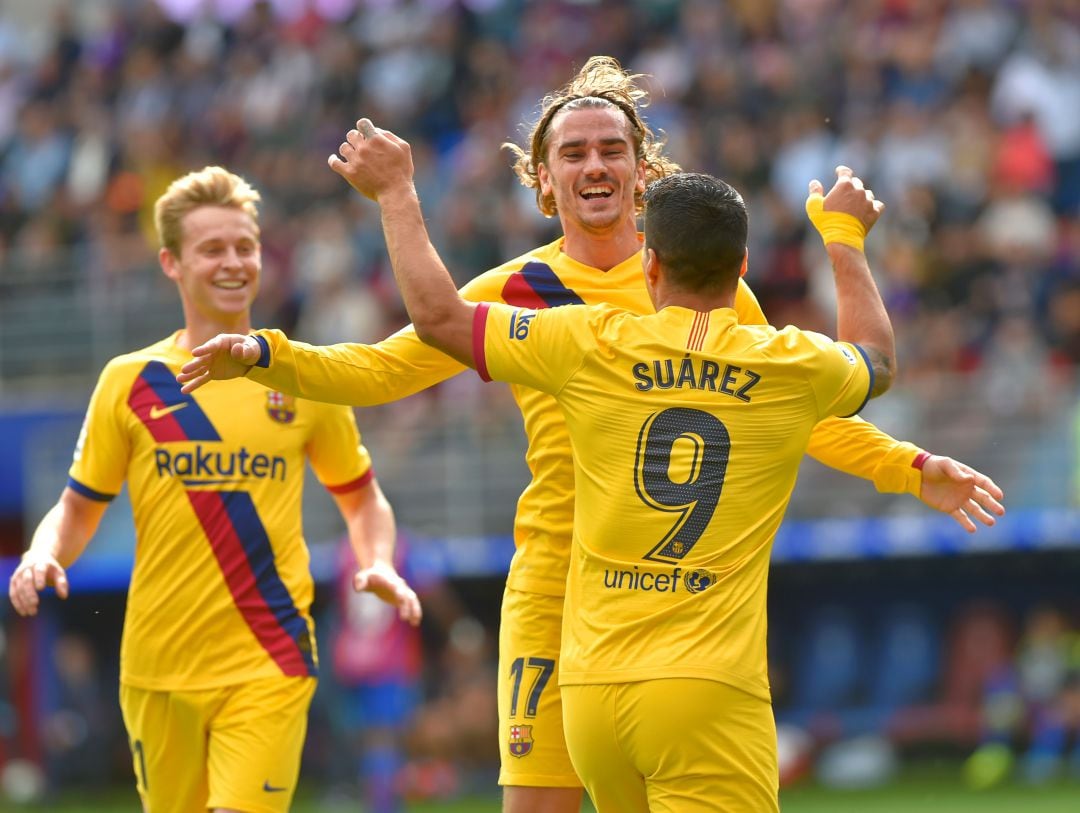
790	344
131	364
489	285
609	324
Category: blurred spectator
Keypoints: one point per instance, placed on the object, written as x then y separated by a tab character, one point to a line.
1031	706
454	741
82	718
376	661
412	709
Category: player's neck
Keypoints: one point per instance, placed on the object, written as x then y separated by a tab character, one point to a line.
663	297
602	251
199	329
696	303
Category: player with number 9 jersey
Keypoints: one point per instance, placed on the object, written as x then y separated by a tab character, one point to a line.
687	430
697	424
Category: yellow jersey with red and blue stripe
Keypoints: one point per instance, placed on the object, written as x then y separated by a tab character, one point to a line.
221	587
686	431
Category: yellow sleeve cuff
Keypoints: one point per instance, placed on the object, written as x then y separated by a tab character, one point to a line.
900	470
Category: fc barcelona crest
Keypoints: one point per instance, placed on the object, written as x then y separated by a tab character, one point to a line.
521	740
280	407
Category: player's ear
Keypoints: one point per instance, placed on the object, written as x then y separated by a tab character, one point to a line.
651	265
169	263
745	263
543	177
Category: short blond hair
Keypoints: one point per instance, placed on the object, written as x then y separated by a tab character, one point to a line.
209	186
601	82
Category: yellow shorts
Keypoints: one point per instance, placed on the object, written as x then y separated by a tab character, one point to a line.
676	745
532	747
234	747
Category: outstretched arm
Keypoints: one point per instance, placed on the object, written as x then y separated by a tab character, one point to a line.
379	165
347	373
843	218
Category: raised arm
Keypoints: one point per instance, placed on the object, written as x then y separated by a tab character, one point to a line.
843	217
379	165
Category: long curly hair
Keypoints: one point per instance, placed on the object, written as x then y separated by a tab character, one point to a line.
600	83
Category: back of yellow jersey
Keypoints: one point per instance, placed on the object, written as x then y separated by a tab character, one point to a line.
686	431
401	365
221	587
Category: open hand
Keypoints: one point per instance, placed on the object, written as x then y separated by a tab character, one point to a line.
227	355
956	489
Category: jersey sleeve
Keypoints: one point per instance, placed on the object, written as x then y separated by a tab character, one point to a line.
100	463
336	451
859	448
349	373
840	373
850	445
541	349
361	374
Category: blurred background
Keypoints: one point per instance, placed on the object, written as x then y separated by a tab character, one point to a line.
903	651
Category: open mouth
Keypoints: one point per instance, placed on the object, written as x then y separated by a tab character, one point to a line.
230	284
596	192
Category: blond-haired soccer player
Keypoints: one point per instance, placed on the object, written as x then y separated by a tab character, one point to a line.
687	430
218	662
588	157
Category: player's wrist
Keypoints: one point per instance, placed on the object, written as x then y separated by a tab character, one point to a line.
403	194
835	228
263	357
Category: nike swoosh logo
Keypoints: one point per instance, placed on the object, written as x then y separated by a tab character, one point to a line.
160	412
270	788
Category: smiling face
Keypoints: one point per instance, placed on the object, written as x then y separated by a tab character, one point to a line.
217	268
591	170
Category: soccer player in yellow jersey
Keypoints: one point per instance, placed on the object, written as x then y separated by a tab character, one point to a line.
687	429
590	172
218	661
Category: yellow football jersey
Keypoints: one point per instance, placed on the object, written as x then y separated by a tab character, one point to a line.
401	365
221	587
687	429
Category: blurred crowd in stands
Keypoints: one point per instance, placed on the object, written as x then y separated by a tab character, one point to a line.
963	115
